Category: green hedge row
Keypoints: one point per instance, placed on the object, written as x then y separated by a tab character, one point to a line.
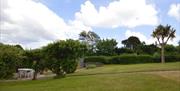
100	59
130	59
168	58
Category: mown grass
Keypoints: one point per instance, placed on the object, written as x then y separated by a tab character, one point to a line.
106	78
130	68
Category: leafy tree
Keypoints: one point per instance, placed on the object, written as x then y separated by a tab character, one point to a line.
61	56
148	49
10	59
170	49
89	38
163	34
106	47
19	46
132	42
126	43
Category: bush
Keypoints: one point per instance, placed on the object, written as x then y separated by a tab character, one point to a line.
172	58
7	65
61	56
131	59
168	58
95	59
9	61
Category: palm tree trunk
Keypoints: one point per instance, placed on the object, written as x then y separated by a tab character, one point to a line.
162	54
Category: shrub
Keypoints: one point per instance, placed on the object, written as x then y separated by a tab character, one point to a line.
99	59
60	56
172	58
131	59
7	65
168	58
9	61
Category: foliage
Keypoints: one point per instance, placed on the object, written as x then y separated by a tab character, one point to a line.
170	49
94	59
69	66
178	49
147	49
19	46
132	42
169	57
10	59
130	59
106	47
59	55
90	39
123	50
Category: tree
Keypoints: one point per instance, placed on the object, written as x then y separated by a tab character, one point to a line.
10	59
170	49
163	34
19	46
106	47
61	56
89	38
147	49
132	43
126	43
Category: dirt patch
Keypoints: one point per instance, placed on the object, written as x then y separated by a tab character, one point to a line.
173	75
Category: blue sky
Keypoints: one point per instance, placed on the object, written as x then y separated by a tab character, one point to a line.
116	19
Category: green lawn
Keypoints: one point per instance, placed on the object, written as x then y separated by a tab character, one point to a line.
136	77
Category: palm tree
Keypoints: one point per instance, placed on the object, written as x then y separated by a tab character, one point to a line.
163	34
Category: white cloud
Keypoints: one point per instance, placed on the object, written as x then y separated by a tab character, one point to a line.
32	24
174	11
149	40
128	13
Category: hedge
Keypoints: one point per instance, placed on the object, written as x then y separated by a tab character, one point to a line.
130	59
168	58
94	59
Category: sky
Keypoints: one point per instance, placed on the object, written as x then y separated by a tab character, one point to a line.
35	23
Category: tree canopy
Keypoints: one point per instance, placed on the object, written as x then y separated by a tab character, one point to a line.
132	42
106	47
